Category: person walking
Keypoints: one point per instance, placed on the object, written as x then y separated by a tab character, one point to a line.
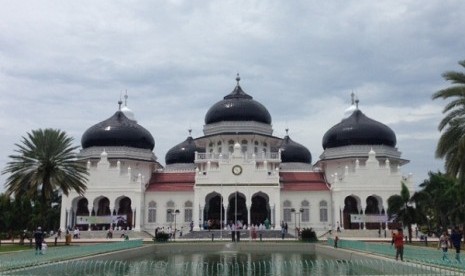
398	240
456	240
443	243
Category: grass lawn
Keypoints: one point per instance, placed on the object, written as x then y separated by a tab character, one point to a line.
13	247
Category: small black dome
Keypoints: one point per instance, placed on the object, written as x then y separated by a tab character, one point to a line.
358	129
294	152
118	131
238	106
183	152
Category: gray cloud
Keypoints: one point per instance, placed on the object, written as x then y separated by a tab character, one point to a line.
65	64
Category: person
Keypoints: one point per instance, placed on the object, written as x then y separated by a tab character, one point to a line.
398	241
283	233
76	233
110	233
336	240
39	239
123	235
191	226
44	247
456	240
285	227
59	233
443	243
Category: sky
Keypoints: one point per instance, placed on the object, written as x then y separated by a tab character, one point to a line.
65	65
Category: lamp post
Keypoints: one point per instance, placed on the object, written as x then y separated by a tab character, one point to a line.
174	213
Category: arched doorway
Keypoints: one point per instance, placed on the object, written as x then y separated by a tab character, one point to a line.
260	209
82	214
214	211
237	210
103	213
372	208
124	214
350	208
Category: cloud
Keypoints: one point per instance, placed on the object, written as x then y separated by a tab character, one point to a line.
65	65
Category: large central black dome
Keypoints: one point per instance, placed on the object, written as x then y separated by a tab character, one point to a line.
358	129
238	106
118	130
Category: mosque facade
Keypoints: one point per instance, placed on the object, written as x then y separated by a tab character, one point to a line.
237	172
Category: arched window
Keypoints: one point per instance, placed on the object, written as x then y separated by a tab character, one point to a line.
188	211
219	146
244	144
305	215
231	146
287	211
152	212
169	211
323	211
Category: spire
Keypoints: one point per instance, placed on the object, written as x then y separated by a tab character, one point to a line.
287	131
238	79
120	102
190	132
356	103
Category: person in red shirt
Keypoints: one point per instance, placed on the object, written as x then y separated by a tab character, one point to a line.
398	239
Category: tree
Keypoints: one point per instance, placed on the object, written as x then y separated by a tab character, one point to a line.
451	144
439	201
401	208
44	164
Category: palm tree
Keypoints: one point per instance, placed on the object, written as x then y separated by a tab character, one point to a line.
401	208
451	145
439	201
45	163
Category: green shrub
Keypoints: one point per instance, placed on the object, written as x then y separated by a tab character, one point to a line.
308	235
161	237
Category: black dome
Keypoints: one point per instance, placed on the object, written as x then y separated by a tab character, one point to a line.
183	152
358	129
118	131
294	152
238	106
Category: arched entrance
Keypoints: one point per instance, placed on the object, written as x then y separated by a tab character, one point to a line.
214	211
372	208
237	210
350	208
260	209
103	213
82	211
124	215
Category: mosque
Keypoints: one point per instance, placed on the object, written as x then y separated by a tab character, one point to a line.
236	172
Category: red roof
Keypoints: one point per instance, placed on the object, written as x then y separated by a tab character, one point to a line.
303	181
291	181
174	182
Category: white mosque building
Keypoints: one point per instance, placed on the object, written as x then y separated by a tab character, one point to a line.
236	171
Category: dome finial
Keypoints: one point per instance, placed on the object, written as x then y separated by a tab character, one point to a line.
238	79
120	102
287	131
126	98
190	131
356	102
